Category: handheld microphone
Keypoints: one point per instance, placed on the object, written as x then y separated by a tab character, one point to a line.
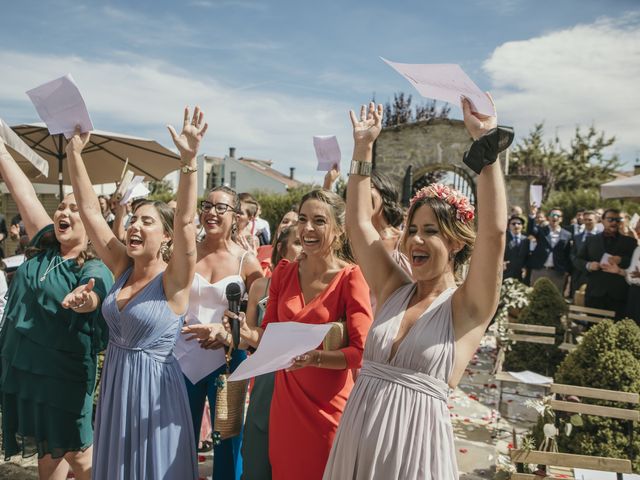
234	295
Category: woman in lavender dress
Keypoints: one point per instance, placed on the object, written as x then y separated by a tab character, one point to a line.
396	423
143	424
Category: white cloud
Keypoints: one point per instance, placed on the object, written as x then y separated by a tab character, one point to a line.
139	96
585	75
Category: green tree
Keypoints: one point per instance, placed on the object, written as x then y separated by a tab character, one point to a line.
275	205
586	165
400	111
160	190
608	357
534	156
586	199
546	306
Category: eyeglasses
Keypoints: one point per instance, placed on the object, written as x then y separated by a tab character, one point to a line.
614	219
555	215
220	208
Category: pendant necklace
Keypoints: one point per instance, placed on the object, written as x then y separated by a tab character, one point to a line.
50	268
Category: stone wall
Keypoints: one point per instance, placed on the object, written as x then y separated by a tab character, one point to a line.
435	144
421	144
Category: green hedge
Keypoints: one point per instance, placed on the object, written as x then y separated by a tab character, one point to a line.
275	205
608	357
546	307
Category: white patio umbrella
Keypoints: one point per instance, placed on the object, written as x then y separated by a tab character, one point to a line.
623	187
32	164
104	156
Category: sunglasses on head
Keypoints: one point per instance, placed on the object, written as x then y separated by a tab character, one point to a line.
220	208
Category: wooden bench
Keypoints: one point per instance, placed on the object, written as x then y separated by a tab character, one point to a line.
606	464
580	314
521	332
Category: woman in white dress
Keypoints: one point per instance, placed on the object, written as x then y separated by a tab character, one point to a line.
396	424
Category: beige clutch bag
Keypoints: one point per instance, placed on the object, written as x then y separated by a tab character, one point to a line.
337	337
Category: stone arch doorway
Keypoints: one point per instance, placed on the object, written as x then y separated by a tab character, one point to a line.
451	175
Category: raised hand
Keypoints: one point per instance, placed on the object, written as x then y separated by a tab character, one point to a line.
77	143
367	128
330	177
79	297
188	142
476	123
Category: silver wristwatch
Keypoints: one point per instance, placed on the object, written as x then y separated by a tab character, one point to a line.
360	168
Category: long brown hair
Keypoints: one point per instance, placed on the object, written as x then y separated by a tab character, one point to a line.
166	213
451	228
337	207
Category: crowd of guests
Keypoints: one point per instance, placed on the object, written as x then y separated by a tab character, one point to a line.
148	283
596	254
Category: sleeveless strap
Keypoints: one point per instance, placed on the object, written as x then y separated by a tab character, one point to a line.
241	263
418	381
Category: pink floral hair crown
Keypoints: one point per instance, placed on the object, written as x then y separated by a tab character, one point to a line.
464	210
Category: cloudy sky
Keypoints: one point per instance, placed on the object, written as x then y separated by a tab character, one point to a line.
271	74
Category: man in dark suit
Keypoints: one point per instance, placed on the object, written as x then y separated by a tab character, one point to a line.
606	290
579	273
550	249
516	251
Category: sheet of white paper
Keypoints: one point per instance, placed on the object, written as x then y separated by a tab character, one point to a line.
61	106
634	221
195	361
280	343
126	180
535	195
139	191
605	259
531	378
327	152
583	474
133	188
444	81
14	261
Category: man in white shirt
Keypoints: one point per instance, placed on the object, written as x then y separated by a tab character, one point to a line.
550	249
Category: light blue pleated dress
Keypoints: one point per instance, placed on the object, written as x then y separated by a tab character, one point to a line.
143	424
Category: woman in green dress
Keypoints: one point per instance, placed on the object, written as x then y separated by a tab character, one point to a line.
51	333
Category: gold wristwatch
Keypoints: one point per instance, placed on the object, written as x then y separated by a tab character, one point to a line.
187	169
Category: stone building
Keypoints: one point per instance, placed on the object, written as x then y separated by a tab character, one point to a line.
437	145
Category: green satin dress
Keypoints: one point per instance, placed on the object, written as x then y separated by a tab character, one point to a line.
255	441
48	354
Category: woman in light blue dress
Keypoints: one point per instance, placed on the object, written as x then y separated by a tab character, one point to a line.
143	425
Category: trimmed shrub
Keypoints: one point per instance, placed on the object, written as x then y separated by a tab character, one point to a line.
275	205
546	307
608	357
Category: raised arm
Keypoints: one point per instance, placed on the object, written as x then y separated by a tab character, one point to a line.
33	214
110	250
182	265
476	300
383	275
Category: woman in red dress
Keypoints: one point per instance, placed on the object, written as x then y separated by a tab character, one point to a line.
322	287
